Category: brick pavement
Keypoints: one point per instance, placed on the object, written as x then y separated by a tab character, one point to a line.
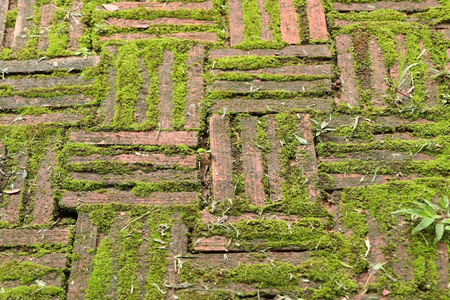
222	149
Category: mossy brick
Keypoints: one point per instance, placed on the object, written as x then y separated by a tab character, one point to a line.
319	85
188	138
266	22
195	86
28	237
63	63
165	105
317	23
24	20
46	13
117	6
236	22
3	10
142	24
68	118
288	22
204	37
76	25
289	51
349	87
394	5
52	260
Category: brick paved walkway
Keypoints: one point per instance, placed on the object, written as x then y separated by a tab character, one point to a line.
241	149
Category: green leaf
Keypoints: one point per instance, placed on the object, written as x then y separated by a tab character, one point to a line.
323	125
432	205
301	140
428	209
407	69
423	224
413	211
444	202
439	232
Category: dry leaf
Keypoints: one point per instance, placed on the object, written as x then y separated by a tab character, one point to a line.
386	292
110	7
13	191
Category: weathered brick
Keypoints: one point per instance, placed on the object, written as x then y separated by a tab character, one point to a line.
25	9
159	159
15	102
188	138
74	199
379	83
221	164
401	5
238	105
165	106
349	90
317	22
236	22
288	22
141	105
25	237
107	107
41	119
273	160
53	260
206	37
206	5
46	12
3	9
320	85
34	65
123	23
76	25
289	51
266	30
195	87
285	70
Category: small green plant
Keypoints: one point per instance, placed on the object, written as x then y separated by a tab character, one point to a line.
403	69
430	213
322	128
84	52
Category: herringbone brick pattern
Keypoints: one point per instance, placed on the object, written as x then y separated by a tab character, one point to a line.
241	149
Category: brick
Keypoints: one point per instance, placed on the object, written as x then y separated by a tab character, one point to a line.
266	31
27	83
289	51
188	138
46	12
252	162
320	85
52	260
158	159
85	242
165	106
74	199
15	102
41	119
378	83
195	89
402	6
221	164
273	160
206	5
306	155
156	176
286	70
3	9
25	9
236	22
141	105
34	65
349	90
238	105
317	22
142	24
442	265
75	24
10	212
211	244
107	107
25	237
205	37
288	22
43	199
342	181
207	217
380	155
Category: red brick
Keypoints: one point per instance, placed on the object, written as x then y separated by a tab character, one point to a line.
252	162
85	242
46	12
25	237
320	85
41	119
402	5
33	65
159	159
270	105
206	37
342	181
75	24
156	176
211	244
379	155
123	23
308	161
289	51
3	9
273	160
74	199
140	114
349	90
107	107
10	212
43	199
285	70
165	106
431	86
207	217
25	9
52	260
379	83
442	265
206	5
236	22
266	31
23	84
288	22
195	87
317	22
15	102
188	138
221	164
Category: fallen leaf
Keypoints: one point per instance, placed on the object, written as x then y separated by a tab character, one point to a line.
13	191
110	7
386	292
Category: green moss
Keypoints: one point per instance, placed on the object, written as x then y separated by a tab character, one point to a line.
10	19
98	283
179	77
252	21
25	272
33	292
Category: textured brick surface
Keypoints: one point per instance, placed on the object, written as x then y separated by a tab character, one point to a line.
241	149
